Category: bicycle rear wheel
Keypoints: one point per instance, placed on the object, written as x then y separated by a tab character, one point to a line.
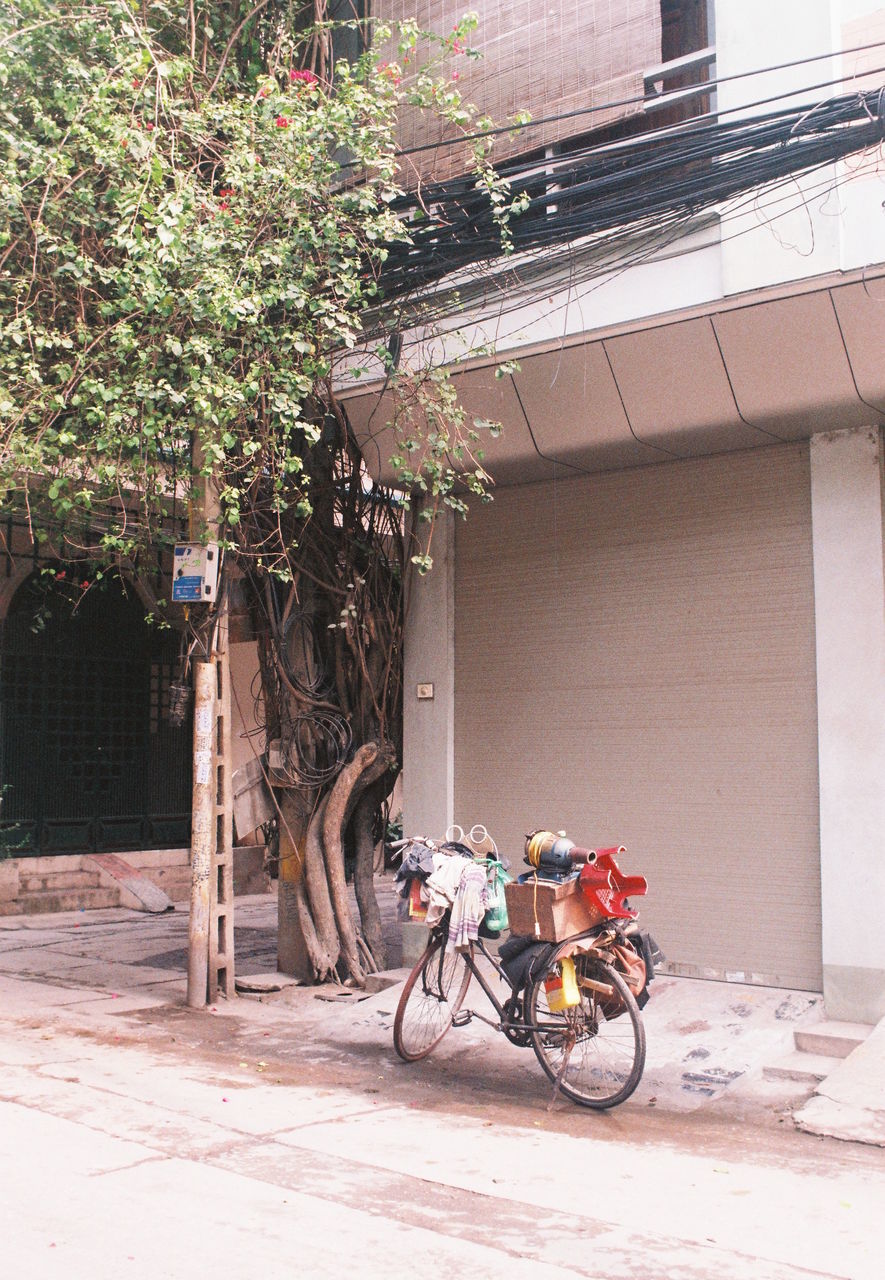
595	1051
433	994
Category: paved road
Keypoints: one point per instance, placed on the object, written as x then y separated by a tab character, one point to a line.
283	1138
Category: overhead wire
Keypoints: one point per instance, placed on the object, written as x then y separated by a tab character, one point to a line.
638	249
653	178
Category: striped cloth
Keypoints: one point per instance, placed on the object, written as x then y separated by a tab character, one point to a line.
468	908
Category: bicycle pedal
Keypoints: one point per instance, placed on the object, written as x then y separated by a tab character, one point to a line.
462	1018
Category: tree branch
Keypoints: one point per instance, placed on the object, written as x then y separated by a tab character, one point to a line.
262	4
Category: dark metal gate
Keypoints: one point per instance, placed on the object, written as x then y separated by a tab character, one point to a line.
89	760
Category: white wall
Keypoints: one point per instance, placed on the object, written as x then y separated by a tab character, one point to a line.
429	722
830	220
849	586
856	23
753	34
790	232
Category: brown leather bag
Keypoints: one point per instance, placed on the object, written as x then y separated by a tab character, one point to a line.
630	965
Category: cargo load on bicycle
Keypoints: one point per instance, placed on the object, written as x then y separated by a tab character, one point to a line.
576	966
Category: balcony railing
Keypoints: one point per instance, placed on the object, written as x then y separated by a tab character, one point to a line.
658	97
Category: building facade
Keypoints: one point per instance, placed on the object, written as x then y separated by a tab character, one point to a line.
668	629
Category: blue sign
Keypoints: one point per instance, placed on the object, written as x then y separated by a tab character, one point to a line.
187	588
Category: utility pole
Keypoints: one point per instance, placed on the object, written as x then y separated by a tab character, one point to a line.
210	952
203	831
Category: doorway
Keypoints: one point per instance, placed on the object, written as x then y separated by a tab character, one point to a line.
90	760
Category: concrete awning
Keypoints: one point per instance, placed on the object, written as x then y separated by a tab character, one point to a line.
779	364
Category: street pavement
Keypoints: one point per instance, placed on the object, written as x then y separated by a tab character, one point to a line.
278	1134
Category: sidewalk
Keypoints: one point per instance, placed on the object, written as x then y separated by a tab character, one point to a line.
708	1042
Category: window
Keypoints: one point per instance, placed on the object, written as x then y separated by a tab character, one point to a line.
687	61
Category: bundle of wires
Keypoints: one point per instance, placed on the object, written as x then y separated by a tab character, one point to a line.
646	183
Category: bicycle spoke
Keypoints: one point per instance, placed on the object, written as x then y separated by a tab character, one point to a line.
431	997
594	1052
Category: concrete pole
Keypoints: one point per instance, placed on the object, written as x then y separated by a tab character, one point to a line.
847	506
203	833
429	688
429	703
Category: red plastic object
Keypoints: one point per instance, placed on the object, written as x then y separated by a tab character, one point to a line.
417	908
605	887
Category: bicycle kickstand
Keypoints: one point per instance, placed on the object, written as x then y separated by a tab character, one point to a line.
560	1076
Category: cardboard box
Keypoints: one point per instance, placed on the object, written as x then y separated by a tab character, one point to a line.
561	910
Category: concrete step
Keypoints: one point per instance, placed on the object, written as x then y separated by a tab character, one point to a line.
831	1039
378	982
174	881
51	900
805	1068
56	881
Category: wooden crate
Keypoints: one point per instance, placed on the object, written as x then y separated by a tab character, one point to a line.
560	909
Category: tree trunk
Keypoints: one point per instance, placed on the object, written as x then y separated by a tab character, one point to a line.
317	887
362	826
298	950
366	767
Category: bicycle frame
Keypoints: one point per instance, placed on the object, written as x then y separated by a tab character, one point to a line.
480	977
505	1024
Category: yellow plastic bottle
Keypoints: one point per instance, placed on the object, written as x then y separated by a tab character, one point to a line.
562	988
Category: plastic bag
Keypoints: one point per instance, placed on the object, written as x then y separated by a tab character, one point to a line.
495	918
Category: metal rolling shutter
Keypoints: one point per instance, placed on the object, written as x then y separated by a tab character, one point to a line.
634	663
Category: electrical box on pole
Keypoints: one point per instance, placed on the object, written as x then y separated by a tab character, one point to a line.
195	573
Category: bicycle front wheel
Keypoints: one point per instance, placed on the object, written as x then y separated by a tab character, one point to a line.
595	1051
433	994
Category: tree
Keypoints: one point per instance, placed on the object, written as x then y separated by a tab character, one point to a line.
196	213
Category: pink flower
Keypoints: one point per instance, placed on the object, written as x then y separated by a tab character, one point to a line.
282	122
60	575
149	127
303	77
456	75
264	91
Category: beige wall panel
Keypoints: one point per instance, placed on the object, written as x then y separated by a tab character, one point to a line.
789	368
692	409
635	664
575	409
859	311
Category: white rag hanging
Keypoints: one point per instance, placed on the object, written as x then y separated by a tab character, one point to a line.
469	907
442	886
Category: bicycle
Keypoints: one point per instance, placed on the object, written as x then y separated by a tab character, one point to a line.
590	1039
